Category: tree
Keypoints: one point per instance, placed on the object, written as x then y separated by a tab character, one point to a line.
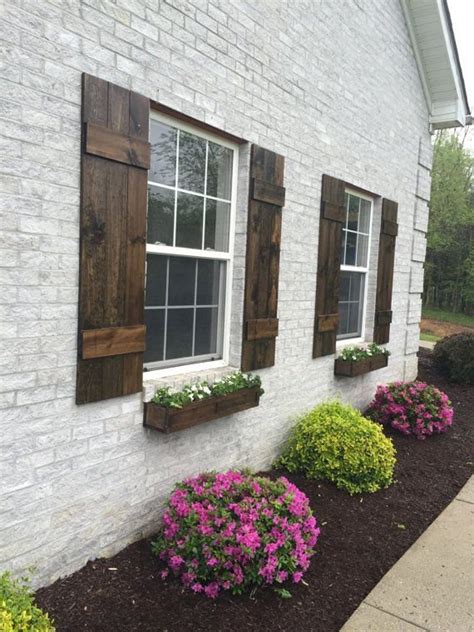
449	270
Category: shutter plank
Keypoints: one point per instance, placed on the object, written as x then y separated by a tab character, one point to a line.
385	269
332	215
262	259
113	217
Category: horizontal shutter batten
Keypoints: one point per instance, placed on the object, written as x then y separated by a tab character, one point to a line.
268	192
383	317
328	322
389	228
262	328
106	143
110	341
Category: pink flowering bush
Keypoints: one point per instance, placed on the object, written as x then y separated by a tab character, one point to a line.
412	408
234	531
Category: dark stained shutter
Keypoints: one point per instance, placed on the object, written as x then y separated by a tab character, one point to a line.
327	284
267	197
114	161
383	302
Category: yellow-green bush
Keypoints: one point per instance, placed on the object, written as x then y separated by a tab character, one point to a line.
336	443
18	612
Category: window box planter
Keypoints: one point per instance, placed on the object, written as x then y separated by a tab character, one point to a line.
172	419
352	368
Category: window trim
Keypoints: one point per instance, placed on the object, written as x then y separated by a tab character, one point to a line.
343	342
158	373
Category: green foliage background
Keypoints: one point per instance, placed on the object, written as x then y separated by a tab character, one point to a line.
449	269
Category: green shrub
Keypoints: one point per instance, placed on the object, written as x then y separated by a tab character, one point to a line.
18	612
335	442
454	356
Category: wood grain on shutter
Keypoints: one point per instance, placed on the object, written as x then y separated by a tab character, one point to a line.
263	258
383	302
113	238
327	283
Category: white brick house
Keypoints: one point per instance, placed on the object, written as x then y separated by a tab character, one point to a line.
349	89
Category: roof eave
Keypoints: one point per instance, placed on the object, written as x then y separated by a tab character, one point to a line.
448	111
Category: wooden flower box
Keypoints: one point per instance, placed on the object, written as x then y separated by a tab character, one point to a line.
352	368
199	412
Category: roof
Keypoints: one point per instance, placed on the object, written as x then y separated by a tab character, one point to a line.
431	32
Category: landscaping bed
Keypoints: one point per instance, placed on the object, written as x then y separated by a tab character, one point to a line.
362	537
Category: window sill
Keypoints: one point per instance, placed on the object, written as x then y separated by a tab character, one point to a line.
349	342
177	377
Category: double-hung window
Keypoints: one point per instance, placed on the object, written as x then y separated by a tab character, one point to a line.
191	199
355	250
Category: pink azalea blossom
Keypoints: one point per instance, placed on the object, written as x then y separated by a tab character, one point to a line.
231	531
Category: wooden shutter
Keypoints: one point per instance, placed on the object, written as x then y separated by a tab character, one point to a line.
383	302
115	156
267	197
332	216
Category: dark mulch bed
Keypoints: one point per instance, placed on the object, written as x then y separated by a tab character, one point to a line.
362	537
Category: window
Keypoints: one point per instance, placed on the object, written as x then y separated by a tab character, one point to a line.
354	265
189	245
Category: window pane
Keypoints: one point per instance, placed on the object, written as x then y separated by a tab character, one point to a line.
155	326
206	330
160	216
179	335
353	214
355	319
219	171
343	248
351	241
364	217
192	162
343	316
155	280
217	225
356	285
362	250
208	282
189	221
182	281
163	153
344	286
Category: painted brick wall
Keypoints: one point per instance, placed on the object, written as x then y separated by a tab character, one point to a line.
331	85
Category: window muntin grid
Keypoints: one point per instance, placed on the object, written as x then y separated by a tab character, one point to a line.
355	250
190	214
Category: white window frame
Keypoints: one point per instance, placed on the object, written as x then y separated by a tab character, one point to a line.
228	257
344	342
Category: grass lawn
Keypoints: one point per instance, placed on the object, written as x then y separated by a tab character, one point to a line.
433	313
429	337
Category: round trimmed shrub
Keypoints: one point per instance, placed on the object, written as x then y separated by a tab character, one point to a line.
412	408
336	443
454	356
235	531
18	612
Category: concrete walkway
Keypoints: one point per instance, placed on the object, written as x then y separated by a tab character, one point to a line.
427	344
432	586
